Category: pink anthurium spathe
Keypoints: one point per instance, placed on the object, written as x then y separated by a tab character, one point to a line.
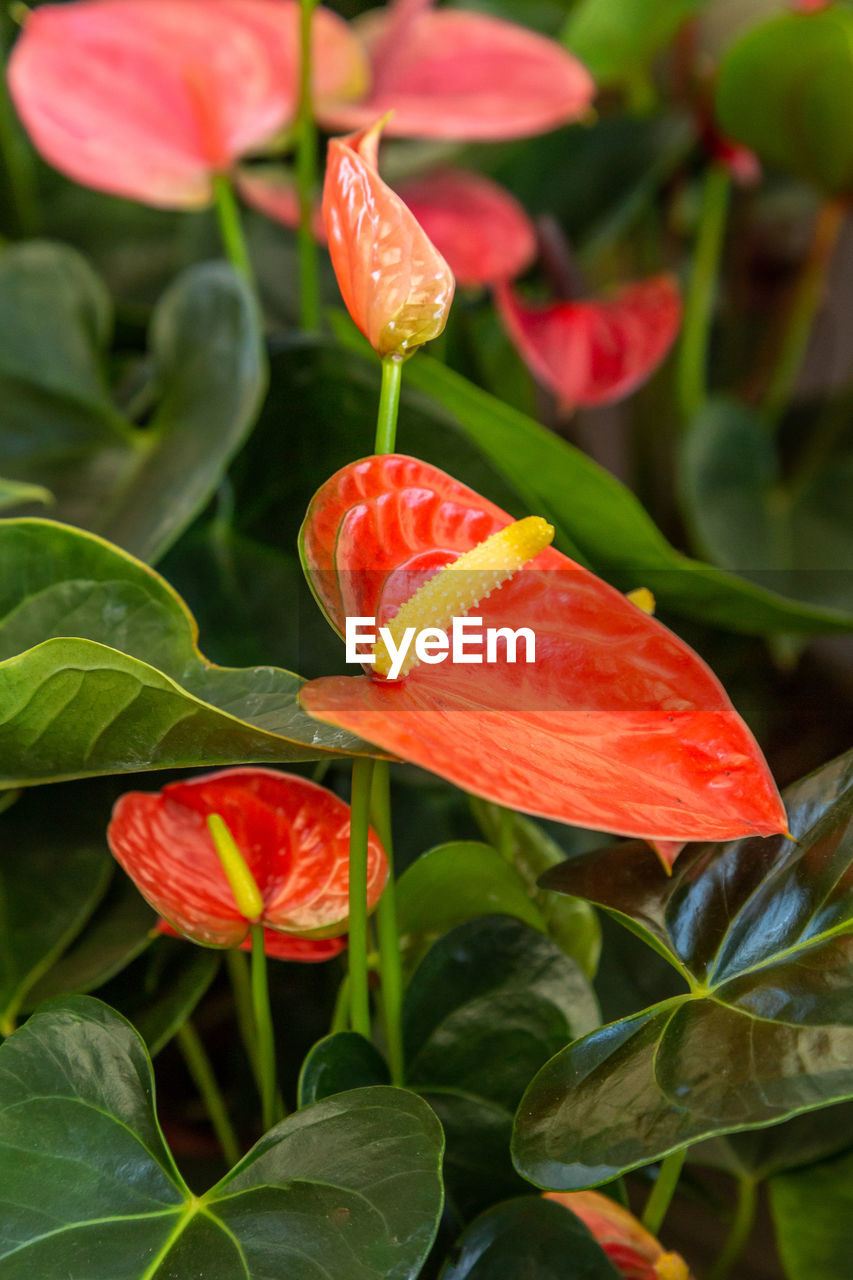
291	834
634	1251
149	99
617	725
595	352
481	231
465	76
396	285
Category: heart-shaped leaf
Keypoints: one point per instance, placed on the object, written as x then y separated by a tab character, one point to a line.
529	1236
598	521
486	1007
617	39
99	671
340	1062
138	487
811	1212
762	933
160	990
794	535
349	1187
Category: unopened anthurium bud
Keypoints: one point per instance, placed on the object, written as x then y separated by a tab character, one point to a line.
633	1251
396	285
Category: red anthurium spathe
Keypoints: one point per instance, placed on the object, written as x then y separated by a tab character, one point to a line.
284	946
148	99
617	725
396	285
464	76
592	353
634	1251
292	834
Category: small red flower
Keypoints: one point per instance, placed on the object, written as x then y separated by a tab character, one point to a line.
617	726
592	353
465	76
149	99
283	946
634	1252
292	834
396	285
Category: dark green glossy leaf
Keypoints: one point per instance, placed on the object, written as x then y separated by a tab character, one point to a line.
120	928
160	989
349	1187
761	1153
617	39
794	534
811	1212
132	692
137	486
52	876
786	91
457	882
340	1062
762	933
478	1168
571	922
597	519
536	1238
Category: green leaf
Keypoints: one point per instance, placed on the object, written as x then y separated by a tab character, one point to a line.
130	691
761	1153
536	1238
349	1187
811	1212
13	493
339	1062
786	90
617	39
138	487
457	882
570	922
161	989
492	1000
762	933
597	519
795	535
52	876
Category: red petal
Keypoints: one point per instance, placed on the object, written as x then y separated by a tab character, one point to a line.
480	229
396	285
147	98
283	946
619	726
464	76
293	835
592	353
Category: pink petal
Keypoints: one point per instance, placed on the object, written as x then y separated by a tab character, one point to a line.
148	98
592	353
479	228
465	76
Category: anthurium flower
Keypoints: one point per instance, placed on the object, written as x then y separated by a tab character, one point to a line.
465	76
634	1252
292	835
617	725
284	946
481	231
592	353
396	285
149	99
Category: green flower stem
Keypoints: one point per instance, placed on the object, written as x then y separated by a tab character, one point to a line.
362	776
198	1065
699	306
741	1229
263	1027
805	303
663	1191
241	986
390	963
231	227
306	178
15	155
506	834
389	405
340	1015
